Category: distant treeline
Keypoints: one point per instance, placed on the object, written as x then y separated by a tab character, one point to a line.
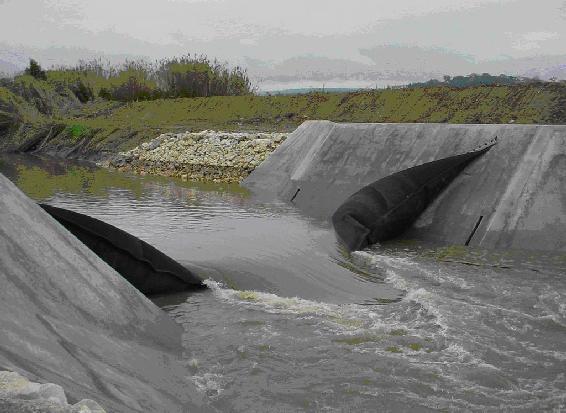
473	80
185	76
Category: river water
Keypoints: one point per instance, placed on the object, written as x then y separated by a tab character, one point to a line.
290	323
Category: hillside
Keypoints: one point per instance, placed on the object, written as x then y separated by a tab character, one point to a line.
90	130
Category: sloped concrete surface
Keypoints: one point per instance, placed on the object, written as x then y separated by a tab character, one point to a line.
67	318
518	188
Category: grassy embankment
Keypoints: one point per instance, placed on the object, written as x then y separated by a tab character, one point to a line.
103	125
19	118
529	104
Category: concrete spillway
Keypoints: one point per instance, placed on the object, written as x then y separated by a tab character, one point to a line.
68	318
512	197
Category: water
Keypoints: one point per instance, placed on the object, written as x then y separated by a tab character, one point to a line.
290	323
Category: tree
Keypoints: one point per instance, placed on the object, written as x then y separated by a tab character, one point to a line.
35	70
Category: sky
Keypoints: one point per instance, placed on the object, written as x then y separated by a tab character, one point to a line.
277	38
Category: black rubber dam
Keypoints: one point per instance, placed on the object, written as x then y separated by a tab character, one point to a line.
510	198
387	207
145	267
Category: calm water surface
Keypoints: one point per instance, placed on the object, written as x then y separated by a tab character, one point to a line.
290	323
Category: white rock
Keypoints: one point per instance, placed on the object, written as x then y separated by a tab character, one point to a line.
87	406
13	385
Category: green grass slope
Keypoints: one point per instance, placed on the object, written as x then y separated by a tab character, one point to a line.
111	126
19	120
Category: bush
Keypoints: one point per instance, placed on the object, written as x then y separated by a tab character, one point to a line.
186	76
77	131
82	91
192	76
131	90
105	94
35	70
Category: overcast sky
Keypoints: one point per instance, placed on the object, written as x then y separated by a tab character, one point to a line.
363	31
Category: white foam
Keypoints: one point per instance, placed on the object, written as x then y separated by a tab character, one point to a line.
397	281
374	258
455	352
208	383
273	303
414	292
344	318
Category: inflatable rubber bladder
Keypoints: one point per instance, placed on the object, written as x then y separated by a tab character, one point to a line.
145	267
387	207
511	198
66	317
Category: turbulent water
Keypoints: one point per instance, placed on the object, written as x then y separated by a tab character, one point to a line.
290	323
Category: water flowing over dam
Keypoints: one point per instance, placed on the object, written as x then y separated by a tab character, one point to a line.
512	197
289	321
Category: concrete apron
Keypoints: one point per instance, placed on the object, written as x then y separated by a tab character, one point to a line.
68	318
514	196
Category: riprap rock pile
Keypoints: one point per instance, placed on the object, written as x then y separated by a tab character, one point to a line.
18	394
201	156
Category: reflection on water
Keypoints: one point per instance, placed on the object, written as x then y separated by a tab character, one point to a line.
43	178
214	229
283	326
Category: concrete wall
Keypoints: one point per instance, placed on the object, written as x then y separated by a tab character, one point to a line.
519	186
68	318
